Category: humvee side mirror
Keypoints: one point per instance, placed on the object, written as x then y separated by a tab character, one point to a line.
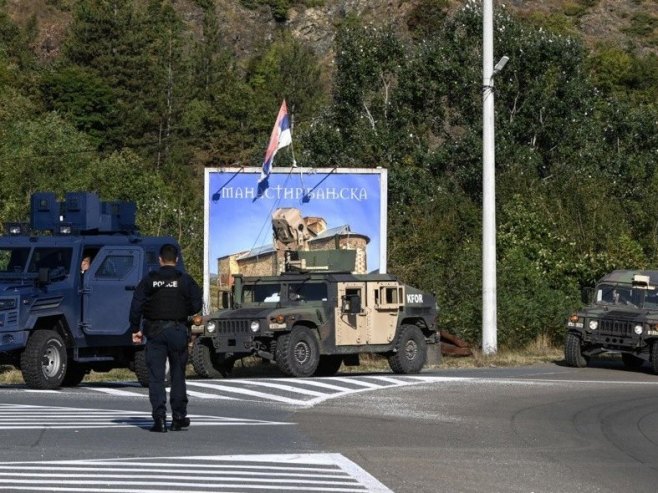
351	303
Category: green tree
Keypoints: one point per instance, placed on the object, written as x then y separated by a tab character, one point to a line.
84	99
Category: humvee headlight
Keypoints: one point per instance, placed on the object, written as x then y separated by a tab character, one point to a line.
593	324
211	326
638	329
255	325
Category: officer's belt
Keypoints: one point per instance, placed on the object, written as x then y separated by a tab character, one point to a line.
155	327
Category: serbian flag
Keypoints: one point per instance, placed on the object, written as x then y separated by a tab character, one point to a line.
280	138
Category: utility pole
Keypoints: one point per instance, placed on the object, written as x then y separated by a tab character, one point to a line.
489	309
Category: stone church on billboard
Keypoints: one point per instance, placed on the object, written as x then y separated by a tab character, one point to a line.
292	233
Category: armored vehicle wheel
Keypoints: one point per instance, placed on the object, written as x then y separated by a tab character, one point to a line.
411	351
43	363
631	362
298	353
142	370
573	353
207	363
75	373
654	357
329	365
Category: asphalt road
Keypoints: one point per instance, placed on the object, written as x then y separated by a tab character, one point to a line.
539	429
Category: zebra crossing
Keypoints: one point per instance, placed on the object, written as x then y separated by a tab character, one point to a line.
30	417
203	474
296	392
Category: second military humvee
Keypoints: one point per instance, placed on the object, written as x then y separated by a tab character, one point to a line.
310	320
622	318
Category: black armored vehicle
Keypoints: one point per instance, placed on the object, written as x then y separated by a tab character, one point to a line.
316	316
622	318
57	322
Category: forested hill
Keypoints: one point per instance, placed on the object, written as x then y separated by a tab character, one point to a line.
133	98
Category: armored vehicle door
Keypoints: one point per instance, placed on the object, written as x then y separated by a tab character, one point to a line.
351	314
387	300
108	287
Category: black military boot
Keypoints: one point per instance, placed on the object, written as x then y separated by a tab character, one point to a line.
159	425
178	424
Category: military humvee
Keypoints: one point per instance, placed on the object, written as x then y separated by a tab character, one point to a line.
622	318
311	319
56	323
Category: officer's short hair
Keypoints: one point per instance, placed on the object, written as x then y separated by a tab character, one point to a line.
168	252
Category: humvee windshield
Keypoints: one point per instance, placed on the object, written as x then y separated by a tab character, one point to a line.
626	294
261	293
307	291
274	293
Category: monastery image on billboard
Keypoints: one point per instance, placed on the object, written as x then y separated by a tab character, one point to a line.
248	229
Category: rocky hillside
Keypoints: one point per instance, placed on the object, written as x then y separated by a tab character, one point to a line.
247	24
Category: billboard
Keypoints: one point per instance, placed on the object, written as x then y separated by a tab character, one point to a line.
342	202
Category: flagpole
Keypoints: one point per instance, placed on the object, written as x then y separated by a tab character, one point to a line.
292	128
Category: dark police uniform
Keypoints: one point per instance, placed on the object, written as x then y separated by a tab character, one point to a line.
164	299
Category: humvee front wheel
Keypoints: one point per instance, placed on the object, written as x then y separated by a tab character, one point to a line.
206	362
411	351
298	353
43	363
573	353
142	370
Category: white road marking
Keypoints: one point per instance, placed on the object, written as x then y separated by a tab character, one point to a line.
202	474
112	391
296	391
24	417
241	391
289	388
355	381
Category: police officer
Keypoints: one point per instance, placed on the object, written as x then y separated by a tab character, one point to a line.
164	299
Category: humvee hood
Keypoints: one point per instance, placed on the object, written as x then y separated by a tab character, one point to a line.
251	312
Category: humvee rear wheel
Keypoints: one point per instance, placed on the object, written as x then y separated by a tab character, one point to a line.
298	353
207	363
654	357
329	365
142	370
631	362
573	353
43	363
411	351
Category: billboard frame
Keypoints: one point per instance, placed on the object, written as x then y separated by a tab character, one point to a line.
209	198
